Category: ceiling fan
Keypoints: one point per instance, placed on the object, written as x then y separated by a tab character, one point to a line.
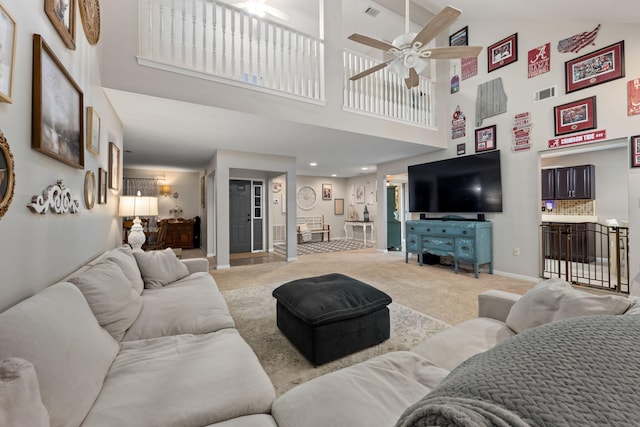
261	9
410	50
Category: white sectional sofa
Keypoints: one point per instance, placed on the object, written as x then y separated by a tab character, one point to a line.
144	339
106	351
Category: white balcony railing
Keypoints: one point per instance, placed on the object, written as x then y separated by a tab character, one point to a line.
384	93
217	40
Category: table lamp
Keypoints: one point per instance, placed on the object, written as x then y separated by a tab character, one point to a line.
137	206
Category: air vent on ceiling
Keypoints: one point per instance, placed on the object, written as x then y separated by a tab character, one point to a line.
372	12
546	93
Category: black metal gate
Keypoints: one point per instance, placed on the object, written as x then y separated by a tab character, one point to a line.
588	254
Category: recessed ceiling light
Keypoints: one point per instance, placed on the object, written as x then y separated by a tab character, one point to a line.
365	168
333	174
313	164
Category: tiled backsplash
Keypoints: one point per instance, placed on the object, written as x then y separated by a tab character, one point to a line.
573	207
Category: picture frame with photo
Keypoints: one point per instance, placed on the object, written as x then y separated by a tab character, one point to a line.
62	14
601	66
93	131
502	53
57	120
635	151
7	54
326	192
338	206
486	138
114	166
460	37
103	179
575	116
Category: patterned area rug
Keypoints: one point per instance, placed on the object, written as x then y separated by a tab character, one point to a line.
319	247
254	311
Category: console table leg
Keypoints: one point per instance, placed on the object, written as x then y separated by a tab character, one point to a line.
476	268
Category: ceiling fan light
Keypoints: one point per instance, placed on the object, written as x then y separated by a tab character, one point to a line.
397	67
420	65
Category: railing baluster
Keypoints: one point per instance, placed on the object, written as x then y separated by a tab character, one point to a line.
214	22
204	36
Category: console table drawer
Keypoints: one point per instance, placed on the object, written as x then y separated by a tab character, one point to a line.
438	243
412	242
465	249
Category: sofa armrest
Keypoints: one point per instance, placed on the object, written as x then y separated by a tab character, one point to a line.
496	304
195	265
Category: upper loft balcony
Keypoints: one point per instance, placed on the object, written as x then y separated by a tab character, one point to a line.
241	47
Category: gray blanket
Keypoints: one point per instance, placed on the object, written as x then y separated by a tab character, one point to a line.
583	371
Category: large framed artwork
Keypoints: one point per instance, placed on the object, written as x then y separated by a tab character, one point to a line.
594	68
502	53
114	166
635	151
575	116
7	54
57	121
62	14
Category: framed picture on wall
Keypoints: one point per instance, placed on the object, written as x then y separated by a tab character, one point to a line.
326	191
502	53
93	131
203	194
57	120
486	138
338	206
102	186
7	54
635	151
597	67
62	14
114	166
575	116
460	37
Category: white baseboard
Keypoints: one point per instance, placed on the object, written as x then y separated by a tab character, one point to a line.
517	276
223	267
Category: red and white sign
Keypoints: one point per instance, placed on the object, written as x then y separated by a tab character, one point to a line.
521	131
582	138
539	60
469	67
633	97
458	124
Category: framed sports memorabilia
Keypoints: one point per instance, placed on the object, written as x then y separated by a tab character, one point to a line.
575	116
594	68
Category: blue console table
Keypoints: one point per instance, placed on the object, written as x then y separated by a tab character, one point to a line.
468	242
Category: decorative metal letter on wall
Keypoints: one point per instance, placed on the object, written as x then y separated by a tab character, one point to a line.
56	198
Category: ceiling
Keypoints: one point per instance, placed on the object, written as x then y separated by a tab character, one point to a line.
153	125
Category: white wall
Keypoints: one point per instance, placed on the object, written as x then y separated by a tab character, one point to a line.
325	207
37	250
517	226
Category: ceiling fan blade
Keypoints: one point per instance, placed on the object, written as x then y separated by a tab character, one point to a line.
413	79
370	70
371	42
451	52
434	27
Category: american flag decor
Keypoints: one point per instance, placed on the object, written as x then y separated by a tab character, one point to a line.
577	42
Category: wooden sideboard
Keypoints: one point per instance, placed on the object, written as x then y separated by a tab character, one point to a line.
179	234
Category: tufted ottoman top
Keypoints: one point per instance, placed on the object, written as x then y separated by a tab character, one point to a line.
330	298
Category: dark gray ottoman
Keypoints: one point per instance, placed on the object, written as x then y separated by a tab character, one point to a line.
328	317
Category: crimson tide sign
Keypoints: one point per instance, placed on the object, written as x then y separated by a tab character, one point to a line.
582	138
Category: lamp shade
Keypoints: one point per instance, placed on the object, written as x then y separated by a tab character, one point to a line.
138	206
165	190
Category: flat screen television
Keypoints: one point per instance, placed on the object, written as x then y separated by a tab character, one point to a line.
461	184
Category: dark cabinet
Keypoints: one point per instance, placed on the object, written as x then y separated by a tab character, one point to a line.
394	227
548	184
576	182
573	242
179	234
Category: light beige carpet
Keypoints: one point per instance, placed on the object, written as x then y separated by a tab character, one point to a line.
433	290
254	311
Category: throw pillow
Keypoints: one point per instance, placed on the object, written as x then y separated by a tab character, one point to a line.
123	256
556	299
20	402
159	268
110	295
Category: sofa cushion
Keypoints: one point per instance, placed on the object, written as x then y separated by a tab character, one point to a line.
20	402
159	268
372	393
183	380
123	256
56	331
113	301
453	346
191	305
556	299
259	420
